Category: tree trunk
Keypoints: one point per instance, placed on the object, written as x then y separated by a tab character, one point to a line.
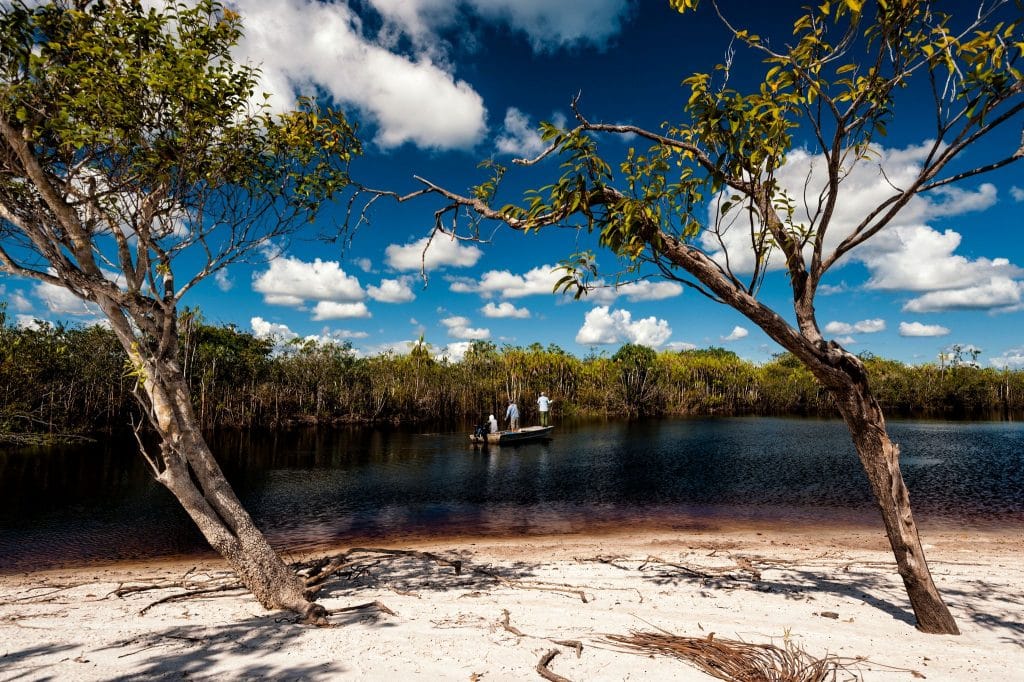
880	459
193	476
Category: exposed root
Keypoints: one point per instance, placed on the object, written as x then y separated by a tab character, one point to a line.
182	596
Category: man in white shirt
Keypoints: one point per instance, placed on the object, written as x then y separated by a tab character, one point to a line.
543	404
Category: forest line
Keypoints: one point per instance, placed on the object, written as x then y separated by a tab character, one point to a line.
73	380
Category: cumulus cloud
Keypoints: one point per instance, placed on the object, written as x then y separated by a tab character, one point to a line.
504	309
503	283
678	346
1017	193
909	254
602	326
306	47
1012	358
364	264
918	258
454	352
291	281
458	327
919	329
998	294
281	334
736	334
862	327
333	310
442	252
264	329
392	291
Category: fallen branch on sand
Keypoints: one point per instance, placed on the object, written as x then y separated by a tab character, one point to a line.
737	661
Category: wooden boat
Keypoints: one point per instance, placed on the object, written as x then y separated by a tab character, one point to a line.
523	435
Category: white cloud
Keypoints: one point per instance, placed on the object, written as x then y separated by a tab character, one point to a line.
918	258
677	346
862	327
846	340
504	309
1012	358
736	334
333	310
454	352
1000	293
538	281
16	300
29	322
392	291
919	329
519	136
548	25
443	251
224	283
308	47
290	281
60	301
458	327
909	254
644	290
364	264
602	327
1017	193
278	333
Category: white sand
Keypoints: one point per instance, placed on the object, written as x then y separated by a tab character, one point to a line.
66	625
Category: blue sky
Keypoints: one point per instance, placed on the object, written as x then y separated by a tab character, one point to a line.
438	86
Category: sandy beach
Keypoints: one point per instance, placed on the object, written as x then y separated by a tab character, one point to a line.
515	600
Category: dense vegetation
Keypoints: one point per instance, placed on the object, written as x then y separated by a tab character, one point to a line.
57	379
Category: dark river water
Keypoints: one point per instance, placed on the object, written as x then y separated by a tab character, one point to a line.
61	506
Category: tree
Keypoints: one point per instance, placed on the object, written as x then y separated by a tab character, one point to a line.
130	153
833	89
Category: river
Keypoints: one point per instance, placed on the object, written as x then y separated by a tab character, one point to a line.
308	488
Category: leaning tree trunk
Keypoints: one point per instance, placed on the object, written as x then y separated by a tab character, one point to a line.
189	471
880	459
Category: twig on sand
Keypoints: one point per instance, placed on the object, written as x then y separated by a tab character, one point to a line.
542	667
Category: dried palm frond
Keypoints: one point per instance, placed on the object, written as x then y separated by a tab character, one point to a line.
737	661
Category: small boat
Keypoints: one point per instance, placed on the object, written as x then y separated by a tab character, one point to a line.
523	435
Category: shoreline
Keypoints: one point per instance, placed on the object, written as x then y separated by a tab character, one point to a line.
827	592
821	529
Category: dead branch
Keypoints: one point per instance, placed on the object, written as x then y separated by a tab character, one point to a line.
507	626
573	644
737	661
542	667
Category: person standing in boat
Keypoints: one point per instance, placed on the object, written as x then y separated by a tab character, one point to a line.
543	405
492	424
512	415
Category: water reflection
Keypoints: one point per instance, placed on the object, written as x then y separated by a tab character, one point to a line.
314	487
